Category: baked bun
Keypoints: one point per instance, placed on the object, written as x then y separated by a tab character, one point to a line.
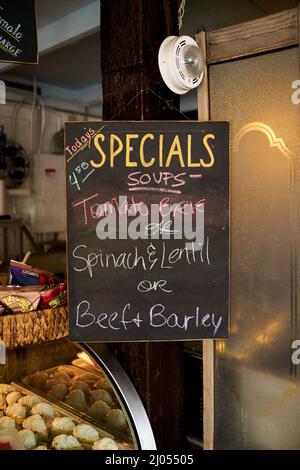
98	410
5	389
16	412
85	433
116	419
13	397
101	394
30	400
64	442
77	400
43	409
7	423
79	385
28	438
105	444
2	401
62	426
36	424
38	379
58	392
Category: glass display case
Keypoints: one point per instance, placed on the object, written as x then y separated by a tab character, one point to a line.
59	395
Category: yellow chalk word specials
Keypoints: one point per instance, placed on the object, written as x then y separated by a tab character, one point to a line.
154	149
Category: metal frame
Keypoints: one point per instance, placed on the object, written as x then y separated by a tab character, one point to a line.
125	389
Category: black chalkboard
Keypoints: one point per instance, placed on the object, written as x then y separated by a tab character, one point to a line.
18	37
148	230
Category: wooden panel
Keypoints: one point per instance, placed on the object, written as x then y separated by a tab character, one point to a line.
208	345
208	394
157	372
261	35
203	89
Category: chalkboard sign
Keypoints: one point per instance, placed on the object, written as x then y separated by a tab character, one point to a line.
148	230
18	37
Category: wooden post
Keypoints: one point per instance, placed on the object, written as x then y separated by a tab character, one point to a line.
298	3
131	33
208	345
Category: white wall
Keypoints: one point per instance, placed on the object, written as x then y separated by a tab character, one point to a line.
44	209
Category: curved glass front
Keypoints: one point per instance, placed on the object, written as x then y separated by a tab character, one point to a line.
69	398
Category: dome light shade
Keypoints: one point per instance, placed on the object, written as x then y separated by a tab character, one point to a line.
181	63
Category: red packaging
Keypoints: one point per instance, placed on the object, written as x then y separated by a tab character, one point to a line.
55	296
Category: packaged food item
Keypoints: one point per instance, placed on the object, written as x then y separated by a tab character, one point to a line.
17	299
24	275
55	296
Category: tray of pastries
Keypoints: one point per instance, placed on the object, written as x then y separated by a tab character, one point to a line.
89	394
43	425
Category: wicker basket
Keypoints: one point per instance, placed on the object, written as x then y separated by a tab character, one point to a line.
34	327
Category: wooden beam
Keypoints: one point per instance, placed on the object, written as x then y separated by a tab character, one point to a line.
298	8
203	89
252	37
130	66
208	345
131	33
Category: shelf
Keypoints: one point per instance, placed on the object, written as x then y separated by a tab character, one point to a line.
19	192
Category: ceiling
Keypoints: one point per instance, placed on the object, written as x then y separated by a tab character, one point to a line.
63	68
49	11
212	14
69	68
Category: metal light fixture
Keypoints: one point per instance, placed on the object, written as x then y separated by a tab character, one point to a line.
181	63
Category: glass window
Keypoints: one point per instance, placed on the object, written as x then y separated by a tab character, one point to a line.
256	385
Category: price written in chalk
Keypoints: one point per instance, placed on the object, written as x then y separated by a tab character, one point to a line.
80	174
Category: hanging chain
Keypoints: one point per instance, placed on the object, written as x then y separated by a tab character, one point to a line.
181	12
